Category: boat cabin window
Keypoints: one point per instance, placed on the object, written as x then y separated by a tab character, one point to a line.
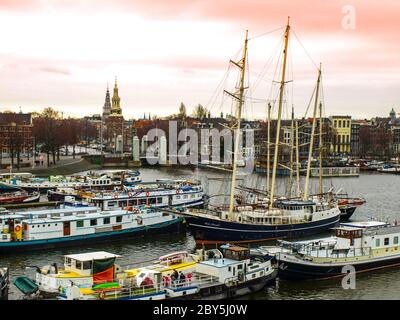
386	241
79	224
87	265
106	221
378	242
93	222
78	264
348	234
67	262
237	253
396	240
119	218
159	200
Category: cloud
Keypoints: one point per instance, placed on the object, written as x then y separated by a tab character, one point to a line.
52	69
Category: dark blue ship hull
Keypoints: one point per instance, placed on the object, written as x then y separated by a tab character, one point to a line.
208	230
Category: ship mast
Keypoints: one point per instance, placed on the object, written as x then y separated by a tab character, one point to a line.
291	154
297	160
242	66
268	147
306	191
278	128
321	189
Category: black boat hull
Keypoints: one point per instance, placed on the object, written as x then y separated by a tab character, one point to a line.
296	271
208	230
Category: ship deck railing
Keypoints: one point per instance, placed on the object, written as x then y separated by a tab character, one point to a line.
265	217
335	254
132	291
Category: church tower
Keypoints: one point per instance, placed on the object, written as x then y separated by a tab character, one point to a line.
116	107
107	105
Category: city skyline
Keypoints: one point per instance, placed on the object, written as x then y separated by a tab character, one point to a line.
63	53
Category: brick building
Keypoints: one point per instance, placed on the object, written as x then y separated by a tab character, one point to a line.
15	134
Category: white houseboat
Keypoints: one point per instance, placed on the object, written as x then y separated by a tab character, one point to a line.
80	225
160	194
364	246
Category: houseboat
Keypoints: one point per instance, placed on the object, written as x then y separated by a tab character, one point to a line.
43	185
161	194
348	206
96	271
332	172
80	225
20	196
364	246
389	168
217	275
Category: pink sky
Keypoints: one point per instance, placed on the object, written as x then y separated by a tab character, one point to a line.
62	53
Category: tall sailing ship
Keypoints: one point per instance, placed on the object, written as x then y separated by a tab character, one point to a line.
278	218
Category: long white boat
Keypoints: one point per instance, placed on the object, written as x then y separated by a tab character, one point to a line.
158	194
105	180
161	194
80	225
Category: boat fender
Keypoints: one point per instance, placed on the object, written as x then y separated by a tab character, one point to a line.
115	195
147	194
102	295
55	268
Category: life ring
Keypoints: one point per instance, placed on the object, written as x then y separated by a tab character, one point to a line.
17	228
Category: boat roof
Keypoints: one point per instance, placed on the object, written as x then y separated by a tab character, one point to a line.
364	224
11	216
90	256
21	174
348	228
219	263
61	210
100	214
384	231
234	248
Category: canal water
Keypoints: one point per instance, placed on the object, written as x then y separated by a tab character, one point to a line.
381	192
